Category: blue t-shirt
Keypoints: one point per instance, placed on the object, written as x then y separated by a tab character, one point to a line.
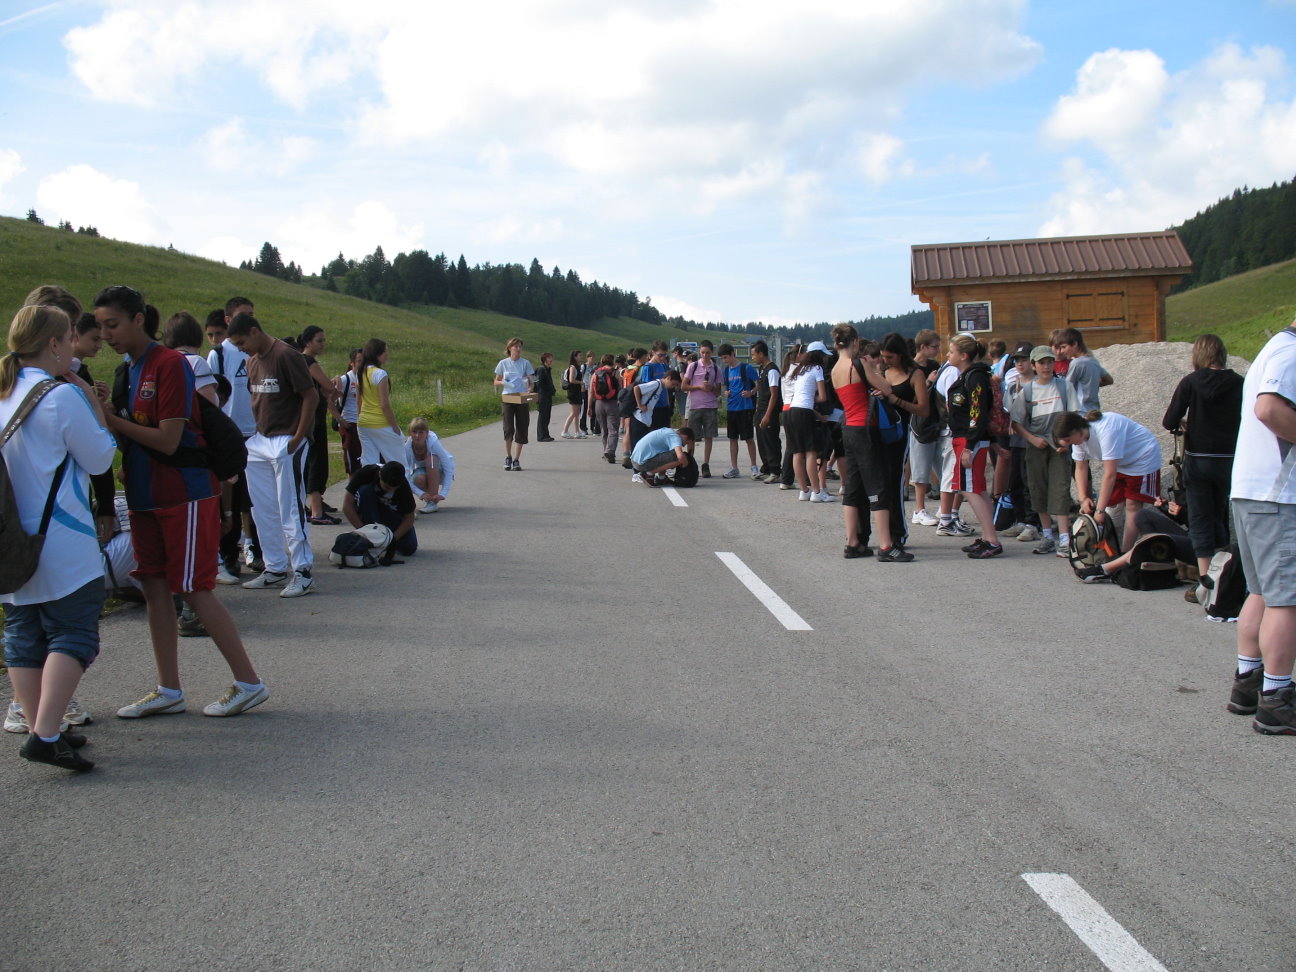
655	443
653	371
738	379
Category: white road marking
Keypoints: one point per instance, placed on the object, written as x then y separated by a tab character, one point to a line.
1114	946
673	495
773	603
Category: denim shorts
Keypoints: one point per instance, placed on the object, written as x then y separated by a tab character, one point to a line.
69	626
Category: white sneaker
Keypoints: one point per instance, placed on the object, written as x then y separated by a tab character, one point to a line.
15	721
732	473
804	496
755	473
237	700
1029	534
1064	546
264	580
1013	530
429	507
155	703
636	478
923	518
223	576
568	435
299	586
823	496
786	486
75	715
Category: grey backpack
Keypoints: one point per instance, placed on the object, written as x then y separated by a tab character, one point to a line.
20	553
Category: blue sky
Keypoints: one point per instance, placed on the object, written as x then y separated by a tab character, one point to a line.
734	160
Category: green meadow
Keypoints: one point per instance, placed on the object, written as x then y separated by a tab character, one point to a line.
454	348
1244	310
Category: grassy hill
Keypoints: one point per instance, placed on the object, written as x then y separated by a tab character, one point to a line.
457	347
1243	310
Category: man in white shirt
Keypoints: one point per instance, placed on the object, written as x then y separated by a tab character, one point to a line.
227	360
1264	514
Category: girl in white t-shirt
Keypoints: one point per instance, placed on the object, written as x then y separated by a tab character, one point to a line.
804	386
1131	463
428	465
51	621
183	333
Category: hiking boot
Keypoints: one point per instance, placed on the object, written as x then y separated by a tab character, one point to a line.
1276	716
299	586
190	627
855	552
894	555
975	545
236	700
58	753
625	462
705	472
1046	546
731	473
1093	575
1244	699
923	518
155	703
986	552
1029	534
267	578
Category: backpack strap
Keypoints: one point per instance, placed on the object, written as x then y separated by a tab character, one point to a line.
38	391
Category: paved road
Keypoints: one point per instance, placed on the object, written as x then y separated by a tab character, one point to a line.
566	737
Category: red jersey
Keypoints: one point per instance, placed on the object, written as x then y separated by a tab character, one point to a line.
162	388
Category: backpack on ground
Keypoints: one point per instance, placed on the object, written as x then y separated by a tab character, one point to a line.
361	548
1223	590
686	476
20	553
1152	565
1091	543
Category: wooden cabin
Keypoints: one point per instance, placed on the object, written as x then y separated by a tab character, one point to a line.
1113	288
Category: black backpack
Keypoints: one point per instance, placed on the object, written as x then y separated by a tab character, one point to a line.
1223	590
20	553
1152	565
686	476
226	451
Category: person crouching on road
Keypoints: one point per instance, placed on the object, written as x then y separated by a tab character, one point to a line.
658	451
382	494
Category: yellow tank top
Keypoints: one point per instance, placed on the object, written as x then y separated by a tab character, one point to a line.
371	413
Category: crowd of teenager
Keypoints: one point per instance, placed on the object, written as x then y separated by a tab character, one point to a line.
183	523
1010	434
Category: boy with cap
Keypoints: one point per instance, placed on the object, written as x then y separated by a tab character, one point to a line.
1049	468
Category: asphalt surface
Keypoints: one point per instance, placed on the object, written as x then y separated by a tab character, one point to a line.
563	736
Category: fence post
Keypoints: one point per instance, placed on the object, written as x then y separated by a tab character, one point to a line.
440	398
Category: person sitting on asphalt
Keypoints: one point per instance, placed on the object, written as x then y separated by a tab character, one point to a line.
382	494
658	451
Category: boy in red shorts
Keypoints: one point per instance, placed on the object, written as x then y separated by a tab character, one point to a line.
174	507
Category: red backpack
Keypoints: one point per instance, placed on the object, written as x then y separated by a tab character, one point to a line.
605	385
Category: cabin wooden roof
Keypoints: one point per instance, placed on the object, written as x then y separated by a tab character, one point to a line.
1123	255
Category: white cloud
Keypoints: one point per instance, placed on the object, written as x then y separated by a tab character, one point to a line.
668	106
673	307
231	148
84	196
1164	146
881	159
315	234
10	168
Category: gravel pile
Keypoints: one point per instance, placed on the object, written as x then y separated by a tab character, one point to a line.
1145	378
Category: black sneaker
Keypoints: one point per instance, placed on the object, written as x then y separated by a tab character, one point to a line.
191	628
986	552
1275	715
706	470
894	555
508	463
1093	575
517	465
1245	697
58	753
975	546
625	463
857	551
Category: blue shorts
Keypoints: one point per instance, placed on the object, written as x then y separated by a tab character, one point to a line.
69	626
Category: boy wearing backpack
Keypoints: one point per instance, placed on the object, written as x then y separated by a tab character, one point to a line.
702	382
1049	466
605	386
740	381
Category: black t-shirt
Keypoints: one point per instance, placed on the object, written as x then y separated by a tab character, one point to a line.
399	501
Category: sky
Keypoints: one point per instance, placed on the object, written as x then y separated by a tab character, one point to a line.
732	160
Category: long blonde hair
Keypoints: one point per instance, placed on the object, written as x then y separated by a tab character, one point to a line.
33	327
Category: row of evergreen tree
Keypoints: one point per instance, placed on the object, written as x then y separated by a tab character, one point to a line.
1251	228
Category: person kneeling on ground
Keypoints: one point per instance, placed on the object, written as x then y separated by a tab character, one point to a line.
658	451
382	494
